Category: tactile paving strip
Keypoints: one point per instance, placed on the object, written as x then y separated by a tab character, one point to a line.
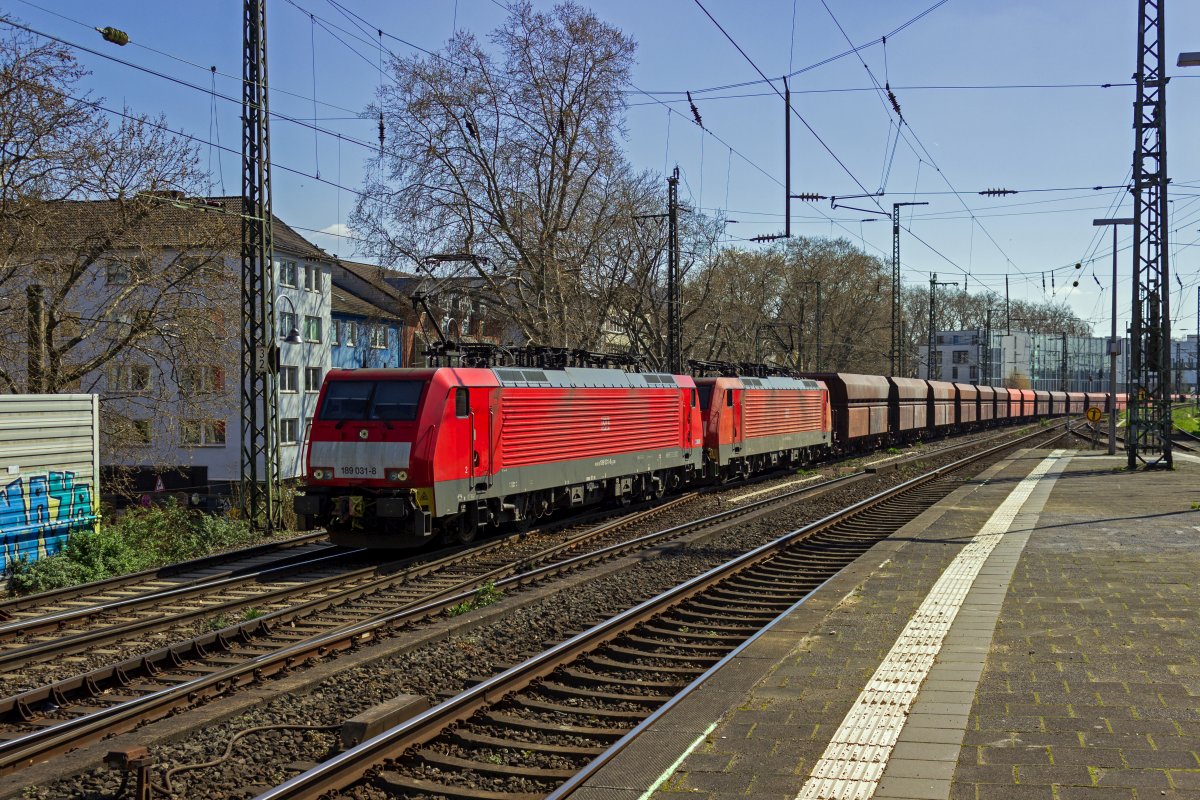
853	763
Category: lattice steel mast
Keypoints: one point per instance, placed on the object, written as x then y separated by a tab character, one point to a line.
1149	436
259	434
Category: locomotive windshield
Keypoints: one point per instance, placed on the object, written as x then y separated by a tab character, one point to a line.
363	400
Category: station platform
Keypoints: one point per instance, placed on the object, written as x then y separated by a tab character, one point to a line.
1034	635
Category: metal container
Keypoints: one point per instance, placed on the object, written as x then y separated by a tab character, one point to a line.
908	403
941	404
966	403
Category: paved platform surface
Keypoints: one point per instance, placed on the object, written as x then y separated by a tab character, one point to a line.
1066	665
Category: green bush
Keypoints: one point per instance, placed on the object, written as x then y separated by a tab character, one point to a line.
141	538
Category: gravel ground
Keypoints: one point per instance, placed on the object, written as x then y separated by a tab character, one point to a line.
445	667
95	657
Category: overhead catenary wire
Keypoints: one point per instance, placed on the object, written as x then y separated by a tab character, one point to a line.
792	109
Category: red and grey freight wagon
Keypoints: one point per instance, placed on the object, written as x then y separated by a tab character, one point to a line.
752	423
966	404
941	405
394	454
908	403
1077	403
859	404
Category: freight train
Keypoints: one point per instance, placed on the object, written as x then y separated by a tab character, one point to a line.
396	457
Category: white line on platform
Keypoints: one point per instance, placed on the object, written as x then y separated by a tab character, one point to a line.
857	754
776	487
1185	456
669	771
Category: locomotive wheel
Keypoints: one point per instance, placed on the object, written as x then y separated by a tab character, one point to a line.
462	533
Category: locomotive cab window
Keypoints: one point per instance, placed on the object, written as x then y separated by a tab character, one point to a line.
693	398
462	405
394	401
729	399
706	393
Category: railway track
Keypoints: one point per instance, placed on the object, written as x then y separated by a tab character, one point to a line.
61	716
171	576
529	731
58	717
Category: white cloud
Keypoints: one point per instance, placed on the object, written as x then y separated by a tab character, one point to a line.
338	229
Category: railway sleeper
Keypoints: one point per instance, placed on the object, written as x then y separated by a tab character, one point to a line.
598	677
707	623
451	763
613	714
618	652
671	640
566	690
704	636
472	739
537	727
685	673
396	783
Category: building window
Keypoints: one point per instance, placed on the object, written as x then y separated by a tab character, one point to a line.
482	308
312	278
954	373
287	321
335	332
117	274
378	337
974	373
466	326
202	378
214	432
287	273
203	432
289	430
131	432
289	379
941	339
312	379
960	356
312	329
129	377
351	334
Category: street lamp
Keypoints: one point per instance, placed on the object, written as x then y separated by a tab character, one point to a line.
293	335
1114	344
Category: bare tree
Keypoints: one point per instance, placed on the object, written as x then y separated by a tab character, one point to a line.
108	279
515	157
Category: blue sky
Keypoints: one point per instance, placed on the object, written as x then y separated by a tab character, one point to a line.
956	139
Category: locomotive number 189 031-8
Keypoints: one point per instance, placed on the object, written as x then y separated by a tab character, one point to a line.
350	471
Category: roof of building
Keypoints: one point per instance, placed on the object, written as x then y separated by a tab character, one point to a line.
168	220
379	277
343	302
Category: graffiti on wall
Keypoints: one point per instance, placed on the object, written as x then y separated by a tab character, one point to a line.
37	512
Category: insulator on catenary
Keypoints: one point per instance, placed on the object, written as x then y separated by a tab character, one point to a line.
695	111
114	35
997	192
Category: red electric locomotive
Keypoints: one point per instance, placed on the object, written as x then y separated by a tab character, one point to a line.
397	455
753	424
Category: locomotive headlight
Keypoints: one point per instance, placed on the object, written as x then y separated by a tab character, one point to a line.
322	473
397	475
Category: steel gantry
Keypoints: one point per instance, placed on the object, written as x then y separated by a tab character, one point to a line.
259	434
1148	438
